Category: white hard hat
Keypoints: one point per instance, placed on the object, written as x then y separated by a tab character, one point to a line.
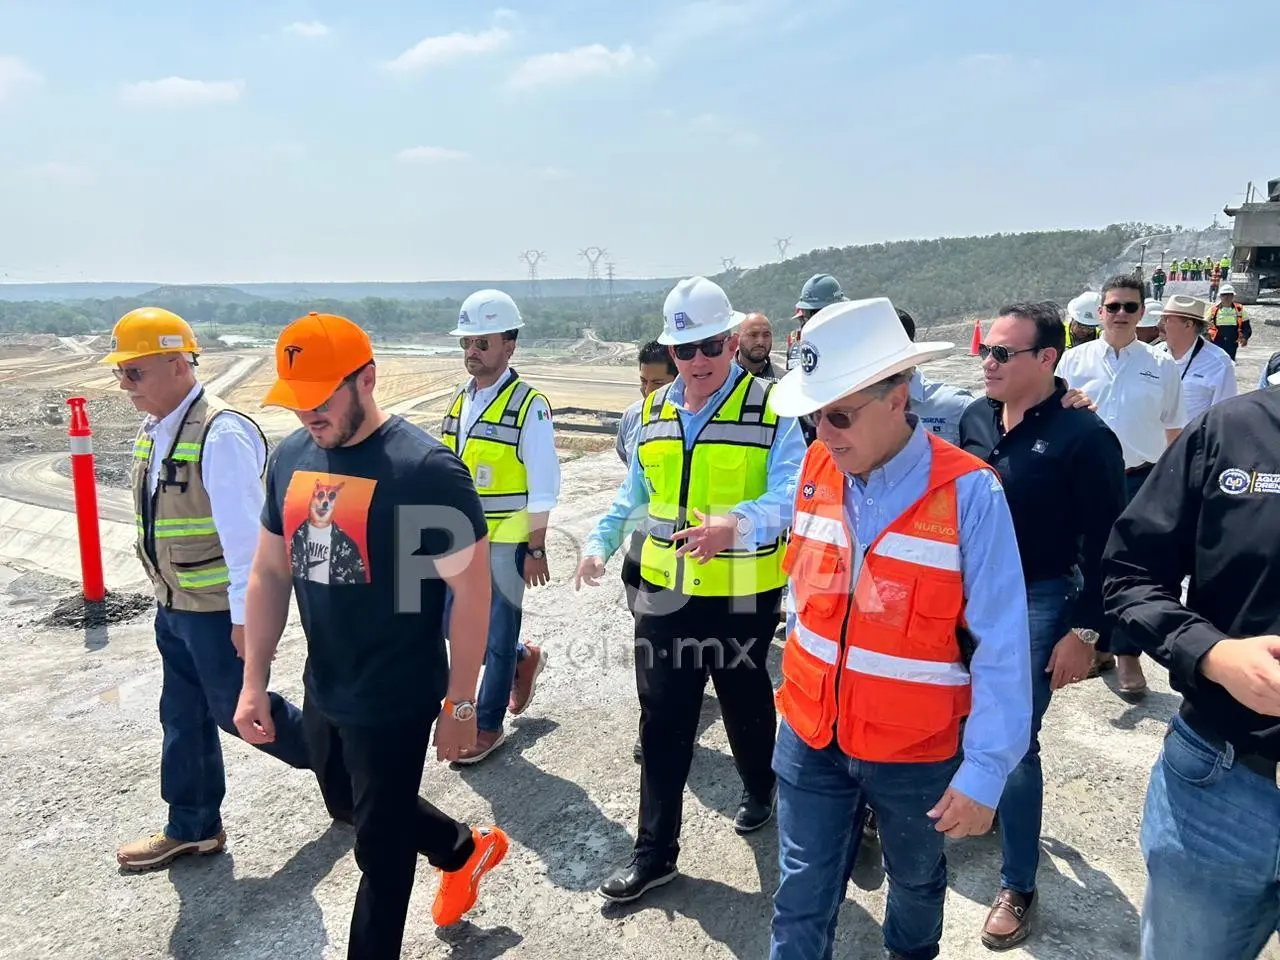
485	312
1226	288
847	347
1151	316
696	309
1084	308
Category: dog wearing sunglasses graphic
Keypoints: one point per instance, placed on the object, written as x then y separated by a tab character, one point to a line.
319	549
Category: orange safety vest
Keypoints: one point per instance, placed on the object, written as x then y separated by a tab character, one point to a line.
878	666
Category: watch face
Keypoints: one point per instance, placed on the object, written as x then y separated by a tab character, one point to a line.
464	712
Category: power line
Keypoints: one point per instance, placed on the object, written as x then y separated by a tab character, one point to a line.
783	243
593	256
533	258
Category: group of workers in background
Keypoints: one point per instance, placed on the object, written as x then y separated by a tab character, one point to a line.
943	561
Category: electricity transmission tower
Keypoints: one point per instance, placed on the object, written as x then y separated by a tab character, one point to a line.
608	272
533	258
593	256
729	263
783	243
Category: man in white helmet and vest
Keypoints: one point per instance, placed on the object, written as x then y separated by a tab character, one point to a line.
501	429
906	673
197	486
712	482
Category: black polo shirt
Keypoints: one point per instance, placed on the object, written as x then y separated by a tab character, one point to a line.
1209	511
1063	476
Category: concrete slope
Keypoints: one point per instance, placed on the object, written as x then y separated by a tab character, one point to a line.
44	539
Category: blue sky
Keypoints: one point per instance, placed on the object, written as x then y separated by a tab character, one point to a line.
394	140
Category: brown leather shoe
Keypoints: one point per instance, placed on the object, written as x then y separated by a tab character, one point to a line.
1009	922
160	850
526	679
1132	682
486	742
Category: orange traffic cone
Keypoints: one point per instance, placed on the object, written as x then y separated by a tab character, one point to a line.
977	338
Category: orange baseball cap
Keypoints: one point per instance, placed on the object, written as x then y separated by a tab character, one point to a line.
314	354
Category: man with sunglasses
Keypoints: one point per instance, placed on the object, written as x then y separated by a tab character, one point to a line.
197	488
1062	471
712	482
501	428
378	678
1138	392
906	672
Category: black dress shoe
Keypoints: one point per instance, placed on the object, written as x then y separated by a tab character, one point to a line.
754	813
637	878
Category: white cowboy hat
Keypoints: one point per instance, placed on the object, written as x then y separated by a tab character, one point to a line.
847	347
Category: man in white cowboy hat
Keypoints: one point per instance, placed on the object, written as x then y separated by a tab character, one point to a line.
713	480
904	632
1208	373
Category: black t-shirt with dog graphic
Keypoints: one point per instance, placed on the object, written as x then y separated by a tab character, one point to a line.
361	525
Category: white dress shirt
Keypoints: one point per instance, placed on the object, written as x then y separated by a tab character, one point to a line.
231	468
1208	375
1138	392
537	440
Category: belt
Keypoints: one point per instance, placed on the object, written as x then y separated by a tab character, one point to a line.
1129	471
1262	766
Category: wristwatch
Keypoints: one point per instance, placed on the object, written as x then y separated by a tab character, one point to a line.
537	553
462	711
744	526
1086	635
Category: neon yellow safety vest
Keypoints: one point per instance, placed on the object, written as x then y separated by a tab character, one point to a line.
728	464
492	454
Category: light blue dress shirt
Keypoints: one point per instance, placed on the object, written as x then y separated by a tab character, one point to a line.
769	515
939	406
998	731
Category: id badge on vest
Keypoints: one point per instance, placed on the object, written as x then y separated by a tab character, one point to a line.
484	475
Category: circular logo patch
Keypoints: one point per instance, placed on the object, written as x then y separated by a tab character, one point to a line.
808	357
1233	480
808	490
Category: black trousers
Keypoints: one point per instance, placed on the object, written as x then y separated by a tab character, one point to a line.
1229	339
369	776
677	647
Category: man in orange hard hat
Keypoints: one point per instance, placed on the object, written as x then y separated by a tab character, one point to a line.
197	490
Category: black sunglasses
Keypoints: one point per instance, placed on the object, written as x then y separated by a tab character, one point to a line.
480	343
840	419
1002	354
1128	307
709	348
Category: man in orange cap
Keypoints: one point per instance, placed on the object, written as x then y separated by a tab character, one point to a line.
368	519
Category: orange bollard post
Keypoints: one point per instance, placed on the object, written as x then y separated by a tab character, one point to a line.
86	491
977	338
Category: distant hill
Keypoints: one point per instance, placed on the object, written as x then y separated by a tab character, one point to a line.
425	290
194	294
945	279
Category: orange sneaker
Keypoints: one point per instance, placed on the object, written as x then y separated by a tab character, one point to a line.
459	888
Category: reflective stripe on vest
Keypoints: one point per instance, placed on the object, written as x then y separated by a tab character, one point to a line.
1228	317
877	664
492	454
727	464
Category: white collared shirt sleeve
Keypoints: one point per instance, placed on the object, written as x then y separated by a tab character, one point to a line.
233	461
538	451
1173	411
1226	386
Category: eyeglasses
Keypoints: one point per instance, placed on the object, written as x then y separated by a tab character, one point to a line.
480	343
1127	306
1002	354
132	374
840	419
709	348
348	381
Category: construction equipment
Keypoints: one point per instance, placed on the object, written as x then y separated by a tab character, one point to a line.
1255	245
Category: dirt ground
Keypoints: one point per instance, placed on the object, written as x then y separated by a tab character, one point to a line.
81	747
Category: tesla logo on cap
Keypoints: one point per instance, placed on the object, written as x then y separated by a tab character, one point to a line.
292	351
808	357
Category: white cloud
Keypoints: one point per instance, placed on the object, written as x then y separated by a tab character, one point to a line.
180	92
15	76
56	171
580	63
310	29
451	46
429	154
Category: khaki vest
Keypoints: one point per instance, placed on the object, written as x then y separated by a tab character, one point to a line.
179	549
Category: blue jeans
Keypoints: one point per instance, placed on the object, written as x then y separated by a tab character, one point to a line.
1048	608
819	792
201	687
503	649
1210	838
